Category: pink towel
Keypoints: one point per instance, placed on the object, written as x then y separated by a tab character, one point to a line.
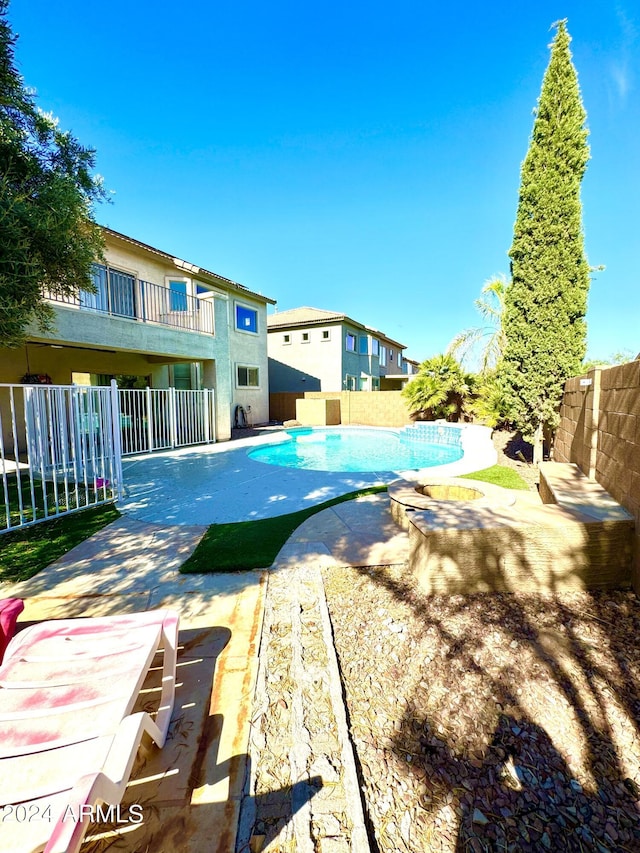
10	609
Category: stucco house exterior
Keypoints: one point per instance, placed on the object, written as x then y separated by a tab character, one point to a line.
162	322
315	350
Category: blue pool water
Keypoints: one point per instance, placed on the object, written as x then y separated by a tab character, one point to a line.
361	449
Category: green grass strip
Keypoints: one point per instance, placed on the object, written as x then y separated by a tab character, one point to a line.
24	552
499	475
45	498
254	544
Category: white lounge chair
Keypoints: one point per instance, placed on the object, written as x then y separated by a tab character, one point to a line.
68	739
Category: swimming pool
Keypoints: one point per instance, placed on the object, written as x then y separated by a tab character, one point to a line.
361	449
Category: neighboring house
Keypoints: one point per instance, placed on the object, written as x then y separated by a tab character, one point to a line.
397	382
315	350
413	366
158	321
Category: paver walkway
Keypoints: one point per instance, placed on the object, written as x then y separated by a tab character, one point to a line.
189	791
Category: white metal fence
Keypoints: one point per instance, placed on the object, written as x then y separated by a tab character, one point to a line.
59	451
61	446
164	418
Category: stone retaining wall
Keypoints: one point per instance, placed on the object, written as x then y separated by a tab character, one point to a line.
600	432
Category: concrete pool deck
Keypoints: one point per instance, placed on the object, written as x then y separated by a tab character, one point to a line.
220	483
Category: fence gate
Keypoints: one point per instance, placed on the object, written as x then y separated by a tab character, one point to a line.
59	450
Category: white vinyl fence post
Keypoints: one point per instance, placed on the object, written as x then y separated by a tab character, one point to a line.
205	409
173	417
117	443
149	400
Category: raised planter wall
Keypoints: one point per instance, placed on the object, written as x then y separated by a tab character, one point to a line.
318	412
368	408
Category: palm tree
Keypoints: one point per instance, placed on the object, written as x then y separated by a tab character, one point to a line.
440	389
489	337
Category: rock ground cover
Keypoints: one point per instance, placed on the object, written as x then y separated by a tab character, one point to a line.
491	722
303	791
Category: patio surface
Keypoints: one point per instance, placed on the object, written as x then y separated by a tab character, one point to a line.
204	790
220	483
193	790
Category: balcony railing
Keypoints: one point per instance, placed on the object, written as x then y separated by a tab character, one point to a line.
122	295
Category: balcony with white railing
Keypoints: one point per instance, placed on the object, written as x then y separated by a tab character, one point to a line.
122	295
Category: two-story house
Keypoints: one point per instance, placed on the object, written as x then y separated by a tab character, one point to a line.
160	322
315	350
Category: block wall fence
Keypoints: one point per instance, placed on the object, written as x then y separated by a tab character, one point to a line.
367	408
600	432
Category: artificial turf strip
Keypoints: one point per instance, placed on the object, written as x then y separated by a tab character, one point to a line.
499	475
254	544
24	552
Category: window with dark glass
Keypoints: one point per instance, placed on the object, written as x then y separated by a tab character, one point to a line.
247	377
177	295
246	319
115	292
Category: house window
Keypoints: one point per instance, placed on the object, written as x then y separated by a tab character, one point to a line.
286	339
375	346
383	356
115	292
247	377
182	379
399	359
390	356
326	334
305	337
177	295
98	301
246	319
350	343
350	383
364	345
375	383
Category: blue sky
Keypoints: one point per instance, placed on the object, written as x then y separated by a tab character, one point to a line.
358	157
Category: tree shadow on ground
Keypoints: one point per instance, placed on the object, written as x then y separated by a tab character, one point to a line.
509	718
516	448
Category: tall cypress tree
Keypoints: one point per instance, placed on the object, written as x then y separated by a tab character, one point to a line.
545	305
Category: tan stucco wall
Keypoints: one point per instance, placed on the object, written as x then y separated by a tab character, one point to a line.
325	364
59	364
115	333
250	350
319	360
318	412
600	432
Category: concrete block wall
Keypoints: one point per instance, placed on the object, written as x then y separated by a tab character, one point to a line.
600	432
369	408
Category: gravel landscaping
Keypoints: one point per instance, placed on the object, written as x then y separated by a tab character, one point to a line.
491	722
